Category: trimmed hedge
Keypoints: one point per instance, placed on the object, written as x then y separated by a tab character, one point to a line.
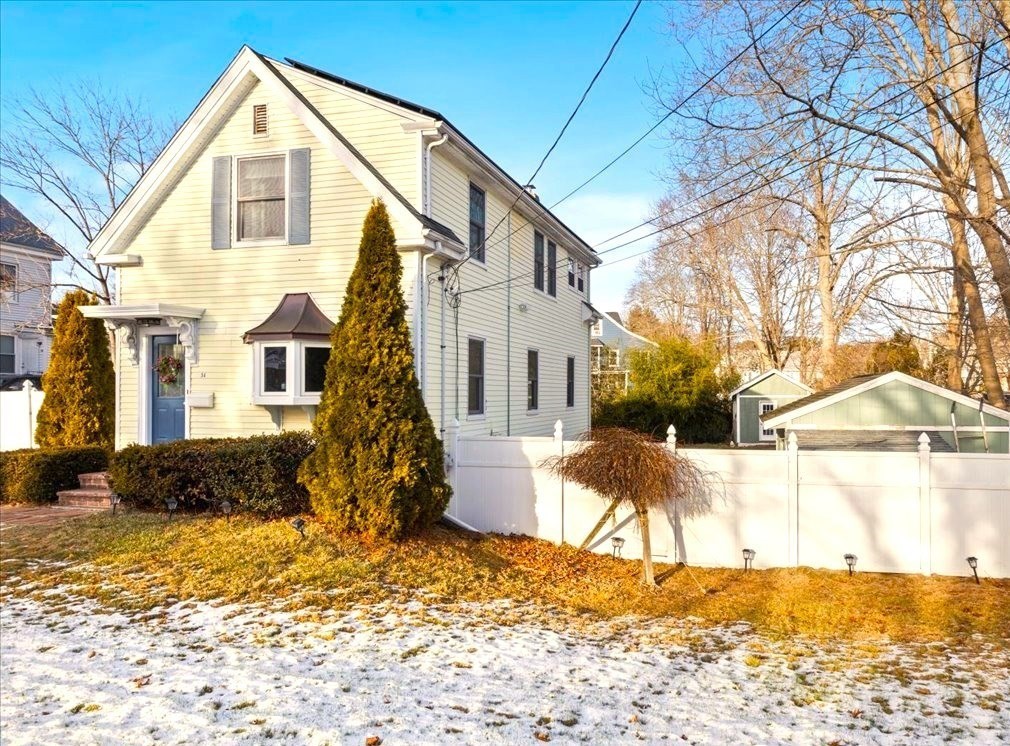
709	422
34	475
256	475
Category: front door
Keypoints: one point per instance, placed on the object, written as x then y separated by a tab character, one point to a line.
168	389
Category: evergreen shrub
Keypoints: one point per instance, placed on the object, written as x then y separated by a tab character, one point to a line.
34	475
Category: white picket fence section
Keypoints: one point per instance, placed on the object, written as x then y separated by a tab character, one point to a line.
18	413
897	512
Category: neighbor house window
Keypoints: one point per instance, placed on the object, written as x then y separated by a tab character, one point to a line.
570	383
478	223
532	379
261	198
571	272
552	268
580	279
538	261
314	361
9	279
475	377
275	370
6	354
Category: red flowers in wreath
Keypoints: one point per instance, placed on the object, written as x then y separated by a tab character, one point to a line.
167	367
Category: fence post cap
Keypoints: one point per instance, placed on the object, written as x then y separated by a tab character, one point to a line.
671	430
28	385
559	430
793	441
923	442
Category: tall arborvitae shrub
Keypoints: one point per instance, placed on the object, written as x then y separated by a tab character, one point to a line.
378	465
79	408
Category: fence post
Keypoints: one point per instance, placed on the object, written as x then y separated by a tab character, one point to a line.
793	457
925	508
671	437
27	387
559	438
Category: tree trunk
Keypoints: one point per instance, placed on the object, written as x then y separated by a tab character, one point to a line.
648	574
826	296
955	309
976	311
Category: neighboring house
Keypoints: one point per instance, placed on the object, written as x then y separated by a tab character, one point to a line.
758	396
234	250
611	342
26	320
888	412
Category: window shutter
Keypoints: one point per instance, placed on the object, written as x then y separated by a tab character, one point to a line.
298	197
220	209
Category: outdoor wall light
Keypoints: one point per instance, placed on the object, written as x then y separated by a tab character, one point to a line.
850	560
973	564
114	500
748	559
226	509
618	543
298	524
171	503
149	321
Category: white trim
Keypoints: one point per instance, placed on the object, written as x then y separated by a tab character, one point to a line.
294	393
120	260
765	434
767	374
482	414
787	417
238	243
770	396
890	428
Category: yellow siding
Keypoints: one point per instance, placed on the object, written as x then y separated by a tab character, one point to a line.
551	325
239	287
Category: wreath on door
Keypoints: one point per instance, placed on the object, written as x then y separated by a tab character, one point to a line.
168	367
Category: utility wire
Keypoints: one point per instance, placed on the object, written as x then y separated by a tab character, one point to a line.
746	193
582	100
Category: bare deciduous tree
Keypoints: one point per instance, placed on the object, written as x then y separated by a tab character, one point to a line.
80	149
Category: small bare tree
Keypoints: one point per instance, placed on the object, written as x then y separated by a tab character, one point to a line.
81	150
627	467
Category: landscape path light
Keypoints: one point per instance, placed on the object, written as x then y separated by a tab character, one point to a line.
171	503
850	560
748	559
973	564
298	524
114	499
226	509
618	543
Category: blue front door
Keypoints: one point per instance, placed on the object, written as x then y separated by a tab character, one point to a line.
168	396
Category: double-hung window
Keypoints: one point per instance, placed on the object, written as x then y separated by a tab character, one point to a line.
764	407
570	382
9	280
538	261
260	198
552	268
6	354
532	380
475	377
478	222
571	272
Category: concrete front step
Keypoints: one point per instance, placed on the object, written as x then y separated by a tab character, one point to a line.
85	498
95	480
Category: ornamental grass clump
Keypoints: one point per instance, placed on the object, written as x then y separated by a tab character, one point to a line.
627	467
79	408
378	465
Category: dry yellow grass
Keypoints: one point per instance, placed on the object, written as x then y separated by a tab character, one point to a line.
139	560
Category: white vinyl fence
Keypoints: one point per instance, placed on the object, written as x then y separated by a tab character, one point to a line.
897	512
18	412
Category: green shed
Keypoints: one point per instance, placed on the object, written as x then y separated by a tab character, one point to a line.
888	412
761	394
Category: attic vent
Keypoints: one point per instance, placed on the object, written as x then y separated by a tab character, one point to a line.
259	119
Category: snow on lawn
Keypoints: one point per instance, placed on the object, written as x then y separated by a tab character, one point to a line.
73	672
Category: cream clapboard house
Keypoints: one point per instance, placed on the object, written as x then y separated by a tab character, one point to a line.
233	252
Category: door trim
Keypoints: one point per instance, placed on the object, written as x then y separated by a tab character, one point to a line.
144	382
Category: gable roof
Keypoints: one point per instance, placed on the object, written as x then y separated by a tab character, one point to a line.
524	196
18	230
247	68
857	385
869	440
768	374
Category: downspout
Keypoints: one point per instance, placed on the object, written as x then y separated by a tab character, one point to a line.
508	331
421	323
426	202
426	210
441	347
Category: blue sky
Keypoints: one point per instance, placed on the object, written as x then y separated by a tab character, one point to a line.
507	74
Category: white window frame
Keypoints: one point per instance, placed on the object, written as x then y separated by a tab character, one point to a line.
482	414
571	362
471	184
763	432
13	353
536	408
275	241
14	294
295	393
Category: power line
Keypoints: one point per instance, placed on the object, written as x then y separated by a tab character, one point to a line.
599	71
747	192
698	89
